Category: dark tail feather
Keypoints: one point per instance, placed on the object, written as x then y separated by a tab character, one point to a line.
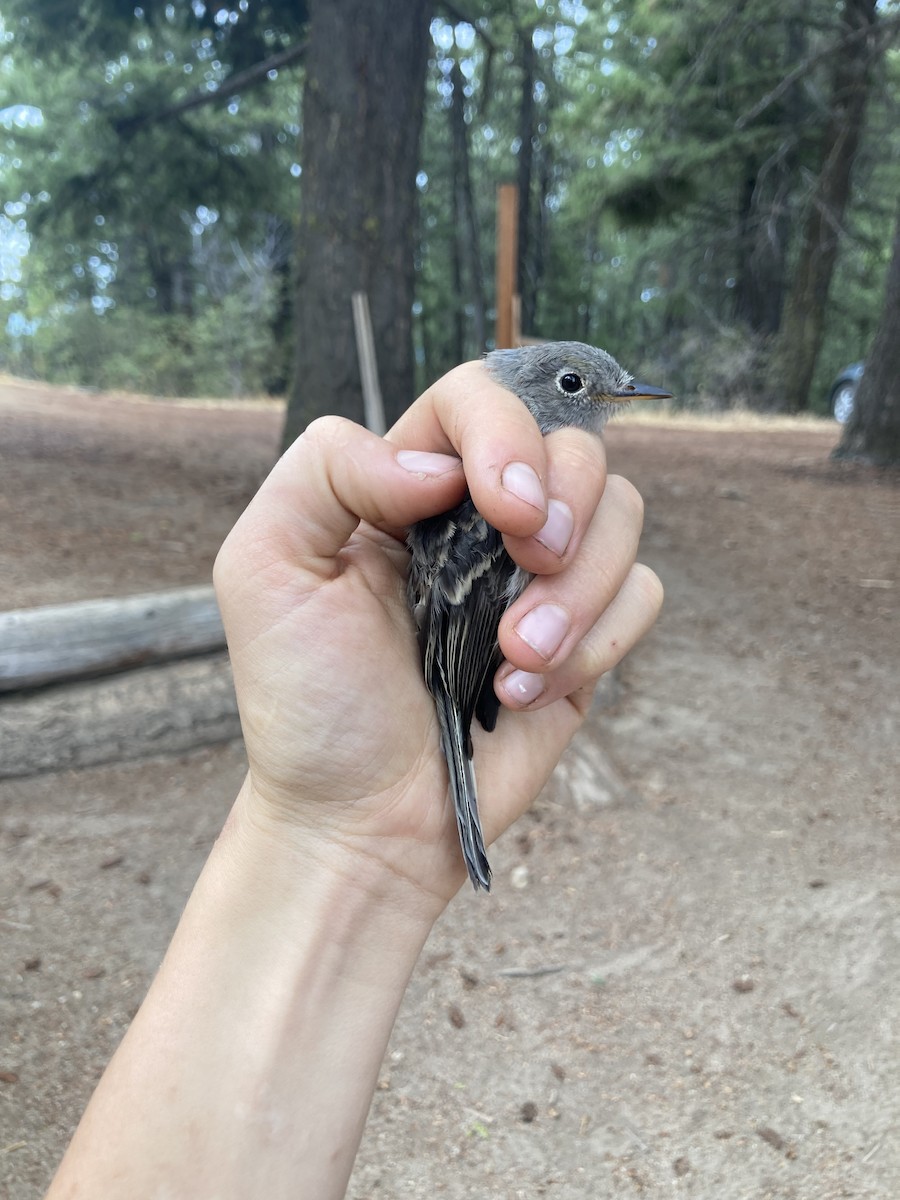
465	801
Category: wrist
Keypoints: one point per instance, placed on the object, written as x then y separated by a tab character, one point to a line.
294	864
272	1009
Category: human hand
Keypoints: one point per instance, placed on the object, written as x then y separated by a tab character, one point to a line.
339	728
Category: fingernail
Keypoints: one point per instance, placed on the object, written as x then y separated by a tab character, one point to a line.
523	687
557	532
422	463
544	629
522	481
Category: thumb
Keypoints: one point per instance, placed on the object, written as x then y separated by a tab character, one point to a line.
335	475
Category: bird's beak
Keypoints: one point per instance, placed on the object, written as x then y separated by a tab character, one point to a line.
640	391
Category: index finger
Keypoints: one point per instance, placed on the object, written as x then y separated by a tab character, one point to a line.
467	413
335	475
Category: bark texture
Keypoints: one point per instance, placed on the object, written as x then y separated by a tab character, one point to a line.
165	709
362	115
764	210
873	432
59	642
467	255
527	282
800	336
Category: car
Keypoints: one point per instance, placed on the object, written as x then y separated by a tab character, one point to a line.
843	391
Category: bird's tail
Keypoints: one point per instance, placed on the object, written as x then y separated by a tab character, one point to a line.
456	745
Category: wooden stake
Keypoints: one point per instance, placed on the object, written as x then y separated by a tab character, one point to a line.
373	405
507	251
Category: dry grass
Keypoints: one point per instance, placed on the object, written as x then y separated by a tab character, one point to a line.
730	420
238	403
651	413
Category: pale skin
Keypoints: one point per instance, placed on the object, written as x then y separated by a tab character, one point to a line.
249	1069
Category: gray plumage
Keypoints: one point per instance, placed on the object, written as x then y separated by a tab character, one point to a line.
461	580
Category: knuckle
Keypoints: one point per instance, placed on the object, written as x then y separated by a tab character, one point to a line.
606	580
327	431
597	655
627	495
648	586
221	567
577	452
609	641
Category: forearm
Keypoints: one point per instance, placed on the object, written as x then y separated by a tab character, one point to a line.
250	1067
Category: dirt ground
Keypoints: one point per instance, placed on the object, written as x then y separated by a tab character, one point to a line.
683	984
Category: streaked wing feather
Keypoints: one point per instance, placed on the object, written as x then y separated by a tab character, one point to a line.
461	580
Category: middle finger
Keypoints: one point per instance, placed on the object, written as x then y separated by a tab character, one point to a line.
555	612
574	483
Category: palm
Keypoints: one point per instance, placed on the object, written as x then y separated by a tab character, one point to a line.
350	717
339	727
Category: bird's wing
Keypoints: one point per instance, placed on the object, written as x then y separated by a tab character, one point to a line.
461	583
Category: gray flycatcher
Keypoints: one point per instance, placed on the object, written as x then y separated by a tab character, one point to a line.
461	579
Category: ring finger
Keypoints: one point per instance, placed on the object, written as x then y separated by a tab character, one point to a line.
618	629
554	613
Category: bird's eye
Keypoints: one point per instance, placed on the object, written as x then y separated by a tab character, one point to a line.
570	383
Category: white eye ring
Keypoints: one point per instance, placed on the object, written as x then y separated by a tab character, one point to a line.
569	382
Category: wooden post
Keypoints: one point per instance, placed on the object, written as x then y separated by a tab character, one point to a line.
507	250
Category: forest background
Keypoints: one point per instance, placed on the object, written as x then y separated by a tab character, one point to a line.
708	189
188	197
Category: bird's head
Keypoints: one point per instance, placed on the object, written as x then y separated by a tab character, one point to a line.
567	383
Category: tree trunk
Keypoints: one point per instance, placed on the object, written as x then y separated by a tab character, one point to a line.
525	272
362	114
543	225
466	218
277	375
800	336
764	234
458	311
764	211
873	432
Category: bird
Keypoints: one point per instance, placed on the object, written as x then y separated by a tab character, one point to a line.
461	579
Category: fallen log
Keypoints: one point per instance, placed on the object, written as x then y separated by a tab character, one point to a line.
167	708
155	710
94	637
